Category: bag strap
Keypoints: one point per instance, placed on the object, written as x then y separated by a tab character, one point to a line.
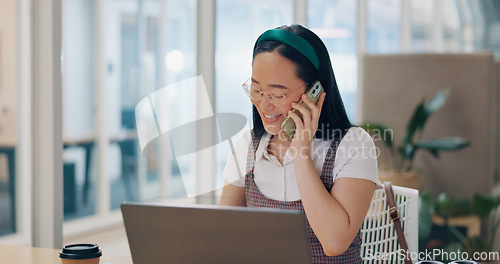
394	214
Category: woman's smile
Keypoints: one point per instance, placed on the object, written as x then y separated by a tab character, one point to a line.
272	118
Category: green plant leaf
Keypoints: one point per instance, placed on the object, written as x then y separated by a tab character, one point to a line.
447	144
483	205
379	132
425	211
419	117
437	101
448	207
423	111
407	150
434	152
417	121
459	206
442	205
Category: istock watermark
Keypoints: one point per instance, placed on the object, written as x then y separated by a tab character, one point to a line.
434	254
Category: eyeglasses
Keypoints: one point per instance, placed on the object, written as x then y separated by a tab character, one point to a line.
255	94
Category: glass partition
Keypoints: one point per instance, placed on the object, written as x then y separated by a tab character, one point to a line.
422	15
335	23
451	26
238	24
383	26
79	130
9	109
150	44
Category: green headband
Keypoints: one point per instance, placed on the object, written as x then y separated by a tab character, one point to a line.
292	40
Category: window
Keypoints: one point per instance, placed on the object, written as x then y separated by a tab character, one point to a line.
79	130
238	24
133	59
9	109
383	26
422	26
180	64
335	23
451	33
435	26
147	45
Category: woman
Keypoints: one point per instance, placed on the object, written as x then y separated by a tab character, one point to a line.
326	148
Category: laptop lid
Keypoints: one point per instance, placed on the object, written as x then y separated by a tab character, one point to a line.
213	234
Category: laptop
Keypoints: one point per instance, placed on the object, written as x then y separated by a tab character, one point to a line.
214	234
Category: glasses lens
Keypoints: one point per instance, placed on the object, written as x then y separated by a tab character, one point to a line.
277	100
246	88
251	91
256	94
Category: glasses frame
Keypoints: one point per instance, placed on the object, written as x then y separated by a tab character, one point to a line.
269	95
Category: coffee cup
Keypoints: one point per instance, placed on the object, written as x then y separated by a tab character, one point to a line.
80	254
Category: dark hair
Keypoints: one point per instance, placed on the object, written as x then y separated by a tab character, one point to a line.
333	121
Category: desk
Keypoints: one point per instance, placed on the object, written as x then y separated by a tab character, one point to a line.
32	255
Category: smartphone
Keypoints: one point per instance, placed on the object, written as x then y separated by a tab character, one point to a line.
288	125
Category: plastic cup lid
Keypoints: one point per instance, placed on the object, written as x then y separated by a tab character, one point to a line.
80	251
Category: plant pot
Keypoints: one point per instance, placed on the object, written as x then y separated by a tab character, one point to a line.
409	179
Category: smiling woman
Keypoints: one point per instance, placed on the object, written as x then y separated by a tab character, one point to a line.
303	174
274	75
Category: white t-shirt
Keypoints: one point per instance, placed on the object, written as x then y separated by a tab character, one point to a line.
356	157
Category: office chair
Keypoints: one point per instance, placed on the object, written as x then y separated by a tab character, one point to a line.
378	233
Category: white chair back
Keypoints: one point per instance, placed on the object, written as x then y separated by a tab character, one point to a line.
380	242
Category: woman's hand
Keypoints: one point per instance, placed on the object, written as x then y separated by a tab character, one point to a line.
306	128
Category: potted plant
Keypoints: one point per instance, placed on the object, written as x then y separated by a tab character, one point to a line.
446	208
402	172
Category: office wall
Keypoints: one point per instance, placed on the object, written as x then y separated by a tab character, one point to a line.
393	85
8	72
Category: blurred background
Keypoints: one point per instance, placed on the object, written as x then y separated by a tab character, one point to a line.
113	53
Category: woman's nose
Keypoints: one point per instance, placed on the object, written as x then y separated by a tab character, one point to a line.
265	104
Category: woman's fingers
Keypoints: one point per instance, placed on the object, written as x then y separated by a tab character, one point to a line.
310	116
306	114
296	119
320	103
315	108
